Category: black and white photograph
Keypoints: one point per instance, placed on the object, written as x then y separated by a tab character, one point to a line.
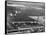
24	17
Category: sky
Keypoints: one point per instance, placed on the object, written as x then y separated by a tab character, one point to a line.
29	0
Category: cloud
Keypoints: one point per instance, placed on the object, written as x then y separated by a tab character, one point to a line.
16	5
